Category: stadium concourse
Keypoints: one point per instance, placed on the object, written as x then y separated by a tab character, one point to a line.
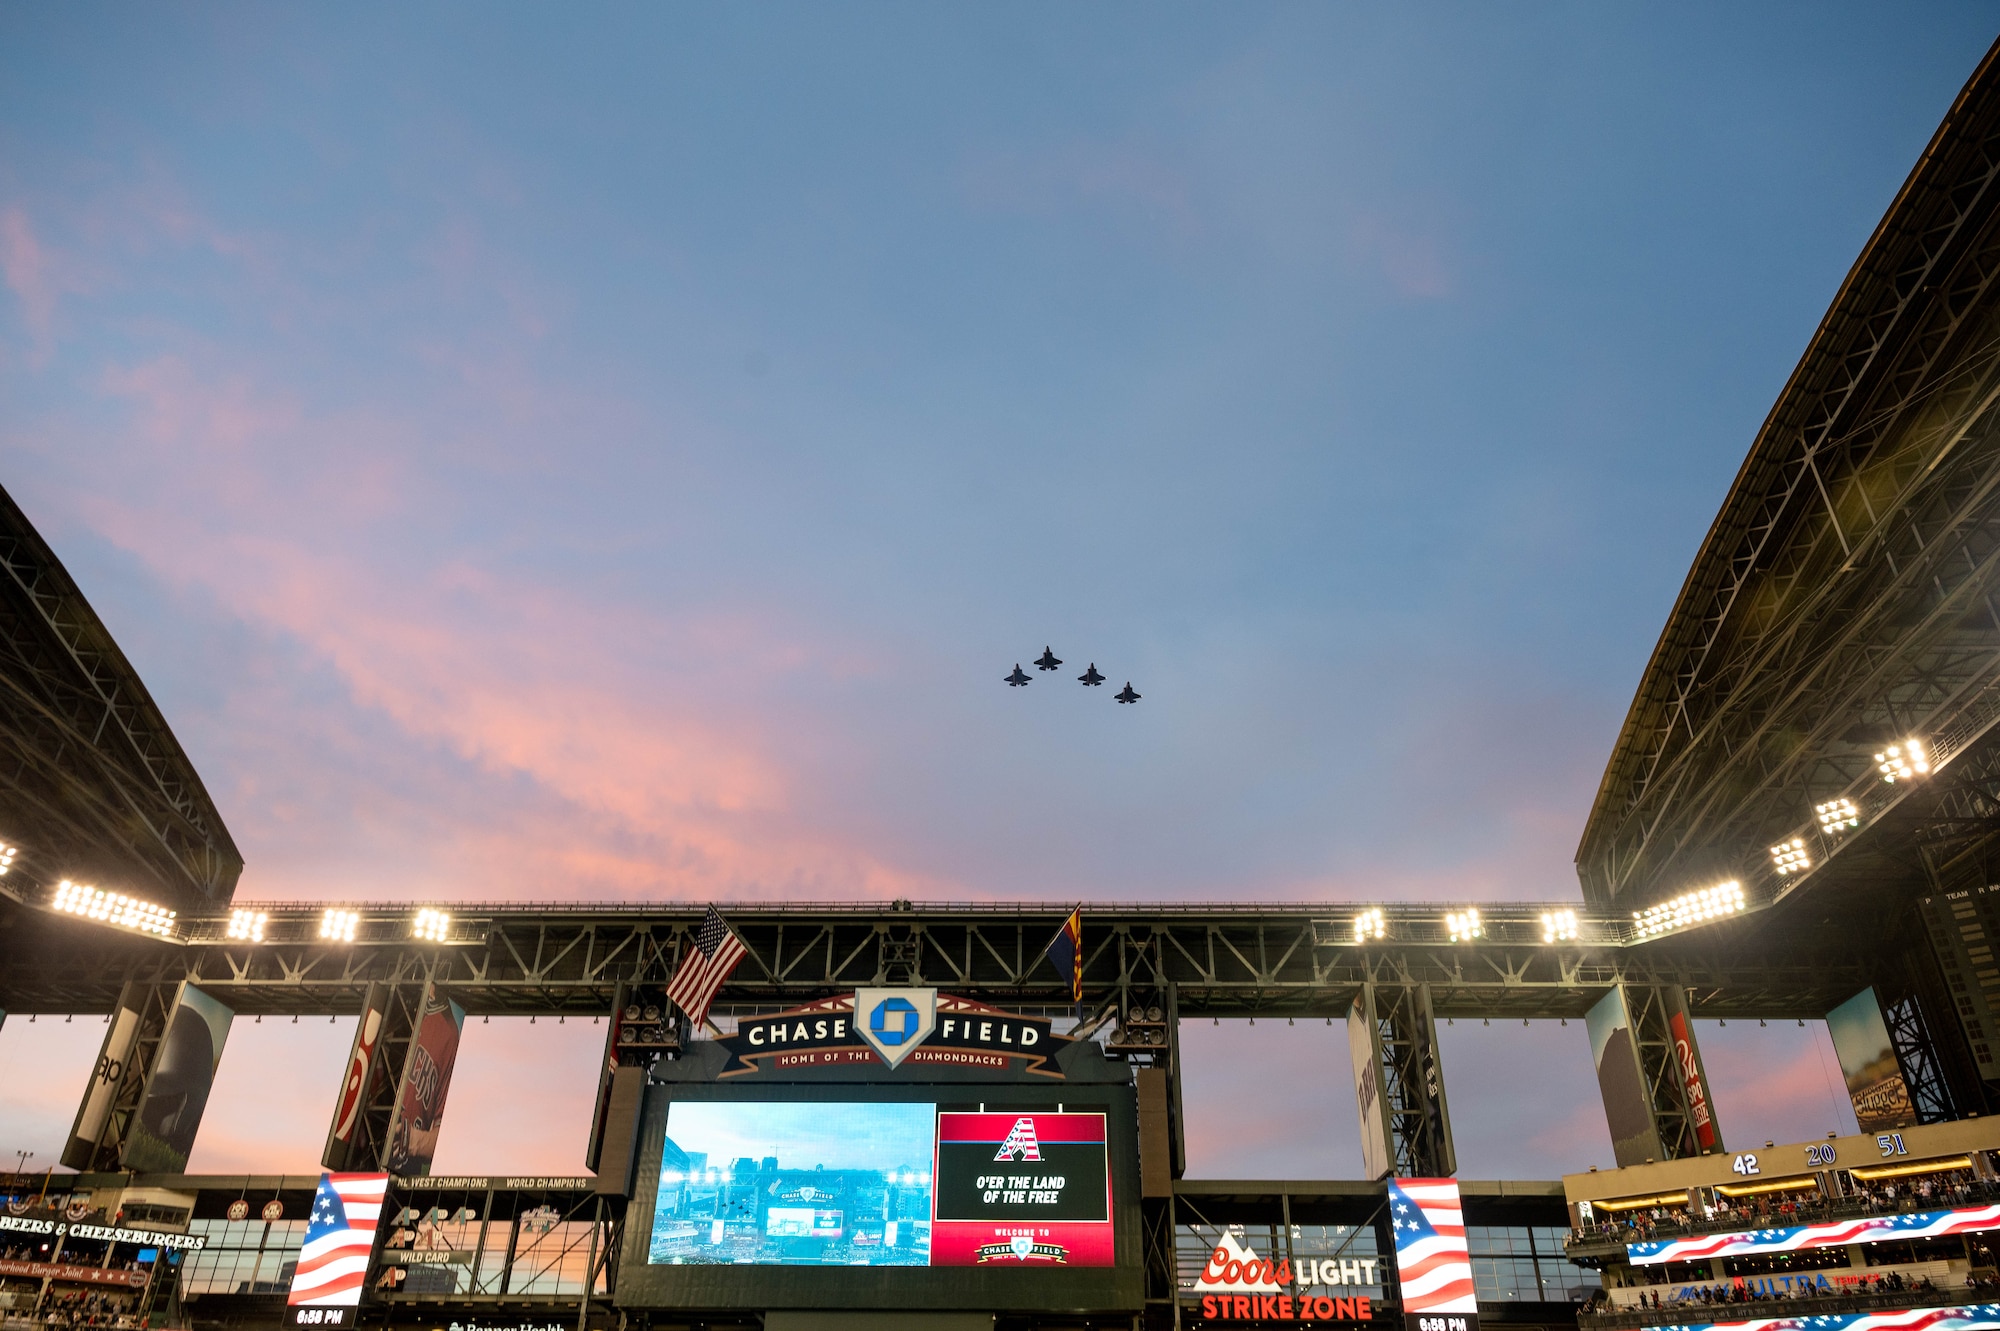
1797	821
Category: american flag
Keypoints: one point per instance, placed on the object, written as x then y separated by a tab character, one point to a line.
1833	1234
715	953
340	1237
1433	1268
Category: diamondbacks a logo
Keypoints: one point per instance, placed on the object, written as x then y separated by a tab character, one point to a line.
894	1021
1020	1143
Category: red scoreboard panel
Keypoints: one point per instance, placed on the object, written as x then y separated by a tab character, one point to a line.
1021	1189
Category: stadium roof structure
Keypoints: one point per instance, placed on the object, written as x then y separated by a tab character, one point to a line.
1845	598
94	782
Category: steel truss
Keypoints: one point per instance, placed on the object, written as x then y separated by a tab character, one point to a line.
1843	598
1221	961
91	779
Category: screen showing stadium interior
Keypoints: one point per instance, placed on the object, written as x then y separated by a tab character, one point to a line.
880	1184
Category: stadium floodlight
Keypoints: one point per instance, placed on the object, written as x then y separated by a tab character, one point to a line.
338	926
1464	924
113	908
1837	815
1790	856
1903	762
248	924
1708	903
1370	924
430	926
7	854
1558	926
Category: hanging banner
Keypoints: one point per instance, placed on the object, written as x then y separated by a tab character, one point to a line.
1626	1110
1875	1084
413	1132
363	1072
162	1134
1376	1159
105	1078
1693	1084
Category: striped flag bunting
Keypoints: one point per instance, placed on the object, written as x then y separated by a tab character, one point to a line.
1832	1234
340	1238
1972	1317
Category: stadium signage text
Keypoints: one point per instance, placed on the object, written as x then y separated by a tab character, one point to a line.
916	1026
1233	1267
150	1238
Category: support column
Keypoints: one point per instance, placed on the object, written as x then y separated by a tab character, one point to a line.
118	1079
1406	1125
1650	1074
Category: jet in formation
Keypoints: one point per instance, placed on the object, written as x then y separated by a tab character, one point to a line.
1048	660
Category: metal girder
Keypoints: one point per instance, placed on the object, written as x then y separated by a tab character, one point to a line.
93	784
1842	598
1279	960
117	1085
1412	1080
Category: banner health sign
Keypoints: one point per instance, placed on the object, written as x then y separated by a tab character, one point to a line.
1832	1234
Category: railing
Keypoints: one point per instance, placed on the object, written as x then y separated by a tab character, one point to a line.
1691	1312
1618	1233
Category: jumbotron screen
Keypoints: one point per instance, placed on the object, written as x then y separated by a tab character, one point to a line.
874	1183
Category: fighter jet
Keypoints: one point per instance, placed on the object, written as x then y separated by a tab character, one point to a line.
1048	661
1126	695
1018	678
1090	677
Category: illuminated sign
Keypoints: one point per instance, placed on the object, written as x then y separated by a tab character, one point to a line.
878	1183
1832	1234
1433	1265
1236	1285
1022	1187
904	1028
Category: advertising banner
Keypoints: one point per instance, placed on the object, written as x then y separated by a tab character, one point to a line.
1376	1160
1832	1234
1868	1063
1634	1140
1693	1084
105	1077
413	1131
339	1242
1970	1317
1433	1263
162	1134
1022	1189
360	1058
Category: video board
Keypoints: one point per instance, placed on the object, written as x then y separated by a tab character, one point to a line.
875	1183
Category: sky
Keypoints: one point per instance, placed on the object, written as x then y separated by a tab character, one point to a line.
540	454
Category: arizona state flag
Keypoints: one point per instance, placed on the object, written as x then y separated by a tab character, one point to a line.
1065	950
